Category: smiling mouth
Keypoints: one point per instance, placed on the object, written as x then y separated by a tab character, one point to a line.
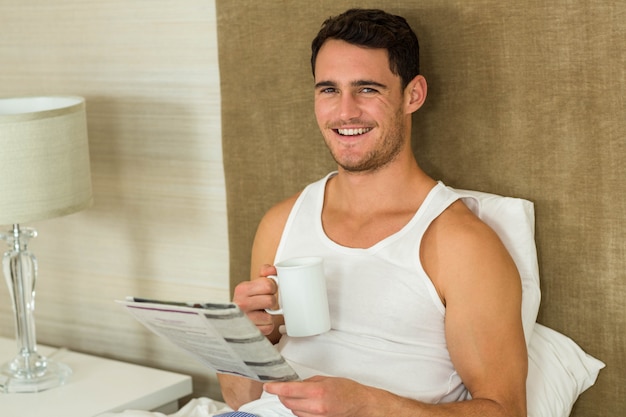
353	132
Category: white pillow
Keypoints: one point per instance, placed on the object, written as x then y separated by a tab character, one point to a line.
513	219
558	372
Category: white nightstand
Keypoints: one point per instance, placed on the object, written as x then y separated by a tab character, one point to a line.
96	386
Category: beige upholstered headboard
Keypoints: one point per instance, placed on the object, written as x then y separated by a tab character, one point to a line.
525	99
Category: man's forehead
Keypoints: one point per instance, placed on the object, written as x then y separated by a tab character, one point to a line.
353	63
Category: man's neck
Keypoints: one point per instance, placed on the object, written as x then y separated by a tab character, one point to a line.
396	186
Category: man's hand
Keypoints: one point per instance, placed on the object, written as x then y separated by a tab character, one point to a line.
324	396
253	297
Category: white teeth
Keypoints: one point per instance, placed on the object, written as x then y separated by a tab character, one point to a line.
352	132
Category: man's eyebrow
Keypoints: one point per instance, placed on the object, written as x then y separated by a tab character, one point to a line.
363	83
325	84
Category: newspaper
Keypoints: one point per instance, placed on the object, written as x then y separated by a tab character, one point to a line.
219	335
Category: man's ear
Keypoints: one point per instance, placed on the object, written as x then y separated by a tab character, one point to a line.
415	93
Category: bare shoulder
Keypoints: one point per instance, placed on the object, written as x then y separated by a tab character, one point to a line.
459	248
275	218
459	224
269	232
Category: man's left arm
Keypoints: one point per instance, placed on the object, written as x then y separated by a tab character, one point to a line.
482	293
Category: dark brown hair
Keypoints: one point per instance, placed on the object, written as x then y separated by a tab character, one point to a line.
373	28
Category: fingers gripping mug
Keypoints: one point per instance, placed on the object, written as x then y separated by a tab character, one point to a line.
302	296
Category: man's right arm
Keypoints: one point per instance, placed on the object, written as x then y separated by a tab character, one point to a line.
254	296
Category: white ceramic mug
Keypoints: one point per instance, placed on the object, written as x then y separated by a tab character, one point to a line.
302	296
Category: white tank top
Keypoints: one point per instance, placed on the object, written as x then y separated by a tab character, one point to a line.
386	316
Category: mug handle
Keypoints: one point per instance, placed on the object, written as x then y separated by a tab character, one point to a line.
280	310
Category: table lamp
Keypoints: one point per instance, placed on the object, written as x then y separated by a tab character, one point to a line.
44	173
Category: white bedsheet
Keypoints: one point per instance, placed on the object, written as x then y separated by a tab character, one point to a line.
197	407
267	406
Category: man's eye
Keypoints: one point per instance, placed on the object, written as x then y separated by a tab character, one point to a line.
328	90
368	90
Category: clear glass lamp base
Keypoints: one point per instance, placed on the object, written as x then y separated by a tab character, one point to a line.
32	373
28	371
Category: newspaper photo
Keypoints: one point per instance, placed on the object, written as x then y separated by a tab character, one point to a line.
219	335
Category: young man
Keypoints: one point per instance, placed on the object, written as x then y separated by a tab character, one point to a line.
425	300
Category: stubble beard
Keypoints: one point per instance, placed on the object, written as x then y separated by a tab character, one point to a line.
377	158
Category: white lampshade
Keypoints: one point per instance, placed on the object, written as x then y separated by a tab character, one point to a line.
44	158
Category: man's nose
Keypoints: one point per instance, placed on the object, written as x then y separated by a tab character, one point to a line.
349	107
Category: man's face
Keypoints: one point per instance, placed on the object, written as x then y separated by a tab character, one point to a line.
359	106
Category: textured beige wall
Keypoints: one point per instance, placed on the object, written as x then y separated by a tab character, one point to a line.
149	73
